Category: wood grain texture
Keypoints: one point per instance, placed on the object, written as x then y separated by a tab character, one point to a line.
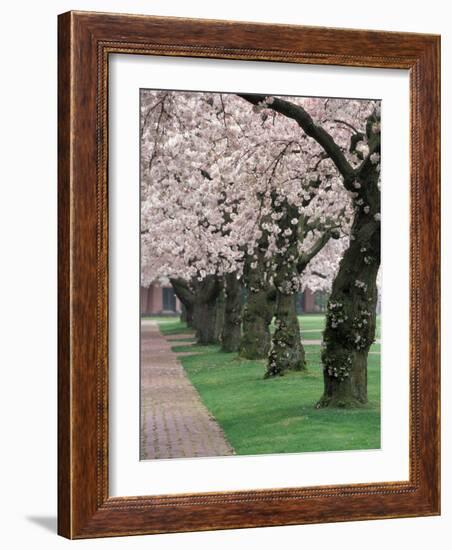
85	42
64	295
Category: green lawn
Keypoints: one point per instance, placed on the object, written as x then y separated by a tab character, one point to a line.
308	323
317	323
311	335
170	325
277	415
312	325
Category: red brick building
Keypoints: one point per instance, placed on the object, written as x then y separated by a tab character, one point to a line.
159	299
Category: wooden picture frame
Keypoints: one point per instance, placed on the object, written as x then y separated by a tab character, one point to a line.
86	40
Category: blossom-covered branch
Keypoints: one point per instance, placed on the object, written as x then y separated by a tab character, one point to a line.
305	121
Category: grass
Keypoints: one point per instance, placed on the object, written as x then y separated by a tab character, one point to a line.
311	335
171	325
277	415
312	325
308	323
317	323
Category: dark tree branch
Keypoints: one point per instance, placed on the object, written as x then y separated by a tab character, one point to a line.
306	123
146	117
182	291
323	156
157	136
315	249
206	174
211	287
203	292
345	123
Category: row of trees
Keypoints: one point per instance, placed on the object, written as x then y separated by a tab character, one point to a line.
265	196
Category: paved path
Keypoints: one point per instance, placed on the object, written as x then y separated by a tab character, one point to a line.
174	421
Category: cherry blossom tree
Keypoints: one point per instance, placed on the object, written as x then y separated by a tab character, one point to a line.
351	317
236	195
301	205
189	229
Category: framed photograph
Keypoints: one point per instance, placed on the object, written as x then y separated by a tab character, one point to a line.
248	275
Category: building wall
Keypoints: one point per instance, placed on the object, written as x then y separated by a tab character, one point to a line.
309	302
151	301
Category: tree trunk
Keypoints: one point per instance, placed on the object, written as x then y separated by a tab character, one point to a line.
186	315
205	321
189	315
186	297
232	314
183	314
287	352
351	317
257	316
219	315
200	298
208	312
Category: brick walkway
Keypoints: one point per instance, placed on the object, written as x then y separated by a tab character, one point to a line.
174	422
